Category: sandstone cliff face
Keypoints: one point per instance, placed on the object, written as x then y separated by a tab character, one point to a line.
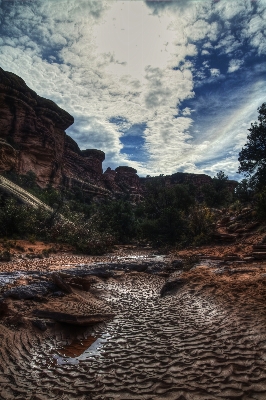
33	138
83	164
35	127
8	156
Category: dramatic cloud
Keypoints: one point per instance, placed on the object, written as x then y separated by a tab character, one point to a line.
158	85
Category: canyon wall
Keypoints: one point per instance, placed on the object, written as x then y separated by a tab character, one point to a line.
33	138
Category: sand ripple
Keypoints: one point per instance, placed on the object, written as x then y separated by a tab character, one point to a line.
182	347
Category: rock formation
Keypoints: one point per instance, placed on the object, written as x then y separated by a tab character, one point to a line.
197	180
8	156
33	138
34	127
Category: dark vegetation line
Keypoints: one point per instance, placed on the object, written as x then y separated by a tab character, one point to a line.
179	215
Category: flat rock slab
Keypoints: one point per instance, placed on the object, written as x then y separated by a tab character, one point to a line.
81	320
108	270
259	255
32	291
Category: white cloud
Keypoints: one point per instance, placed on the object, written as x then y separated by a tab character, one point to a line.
234	65
214	72
187	111
101	59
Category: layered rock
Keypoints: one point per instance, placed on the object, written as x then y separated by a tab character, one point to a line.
128	177
123	180
197	180
33	138
8	156
35	127
85	165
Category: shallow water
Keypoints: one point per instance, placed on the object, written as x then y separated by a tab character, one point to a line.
182	346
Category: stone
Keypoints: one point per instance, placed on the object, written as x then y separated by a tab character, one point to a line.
39	324
171	287
8	156
59	281
72	319
3	308
34	291
177	264
33	138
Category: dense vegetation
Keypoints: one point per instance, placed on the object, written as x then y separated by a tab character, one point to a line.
166	216
252	159
177	215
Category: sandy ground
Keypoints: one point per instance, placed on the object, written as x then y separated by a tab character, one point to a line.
204	340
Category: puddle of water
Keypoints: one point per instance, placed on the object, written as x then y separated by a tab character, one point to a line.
77	347
80	350
10	277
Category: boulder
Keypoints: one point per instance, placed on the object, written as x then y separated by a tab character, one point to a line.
34	291
171	287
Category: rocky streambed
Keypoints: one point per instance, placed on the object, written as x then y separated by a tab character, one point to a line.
164	333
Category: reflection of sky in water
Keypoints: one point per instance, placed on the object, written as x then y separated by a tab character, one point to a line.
6	278
95	350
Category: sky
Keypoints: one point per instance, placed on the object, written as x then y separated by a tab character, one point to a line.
161	86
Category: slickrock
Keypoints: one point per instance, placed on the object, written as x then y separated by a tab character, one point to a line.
205	340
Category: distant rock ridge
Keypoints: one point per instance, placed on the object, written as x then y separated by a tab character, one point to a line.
33	138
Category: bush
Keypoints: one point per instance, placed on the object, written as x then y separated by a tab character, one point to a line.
261	204
201	225
162	216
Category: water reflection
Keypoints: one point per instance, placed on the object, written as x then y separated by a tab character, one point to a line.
80	350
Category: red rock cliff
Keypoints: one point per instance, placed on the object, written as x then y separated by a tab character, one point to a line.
34	126
33	138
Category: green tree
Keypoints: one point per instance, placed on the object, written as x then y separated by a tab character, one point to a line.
244	193
162	215
217	193
117	218
252	157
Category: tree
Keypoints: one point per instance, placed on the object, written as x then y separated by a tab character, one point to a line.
252	157
217	193
243	191
163	214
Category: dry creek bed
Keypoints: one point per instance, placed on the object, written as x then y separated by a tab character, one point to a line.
202	337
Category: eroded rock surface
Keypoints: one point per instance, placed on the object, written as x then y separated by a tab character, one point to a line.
35	127
205	341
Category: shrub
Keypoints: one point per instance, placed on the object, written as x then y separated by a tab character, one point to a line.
261	204
200	225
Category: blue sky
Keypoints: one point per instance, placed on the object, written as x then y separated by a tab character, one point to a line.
162	86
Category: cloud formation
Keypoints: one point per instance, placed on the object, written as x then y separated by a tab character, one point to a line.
171	67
